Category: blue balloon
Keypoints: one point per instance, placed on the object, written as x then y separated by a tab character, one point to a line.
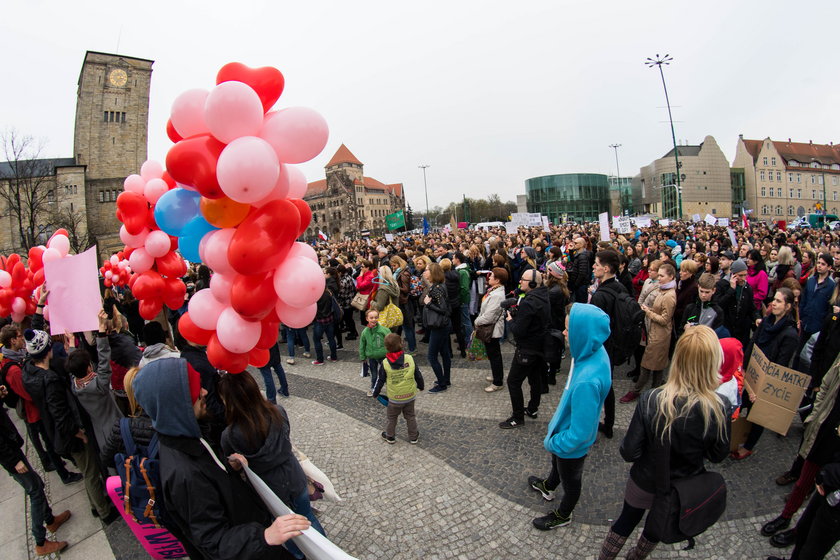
175	209
191	236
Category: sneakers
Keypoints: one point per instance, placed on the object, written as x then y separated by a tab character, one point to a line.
283	392
629	397
72	478
489	378
437	389
50	547
290	361
390	439
786	478
415	440
493	388
333	359
530	414
317	363
538	484
307	355
772	527
370	392
510	423
339	347
551	521
58	521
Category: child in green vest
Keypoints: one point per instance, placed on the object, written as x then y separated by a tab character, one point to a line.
403	380
372	347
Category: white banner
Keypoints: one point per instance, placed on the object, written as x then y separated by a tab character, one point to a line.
695	217
709	219
641	222
511	228
604	220
389	237
665	223
723	222
624	225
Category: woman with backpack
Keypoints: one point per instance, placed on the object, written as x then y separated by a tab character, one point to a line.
259	431
688	417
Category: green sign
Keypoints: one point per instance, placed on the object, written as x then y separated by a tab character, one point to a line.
395	220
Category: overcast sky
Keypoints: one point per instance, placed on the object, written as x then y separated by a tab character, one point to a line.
487	93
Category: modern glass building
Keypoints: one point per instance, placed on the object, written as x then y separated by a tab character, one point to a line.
580	196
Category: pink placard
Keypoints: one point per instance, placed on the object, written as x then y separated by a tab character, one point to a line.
74	298
159	543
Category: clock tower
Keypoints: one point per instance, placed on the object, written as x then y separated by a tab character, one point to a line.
112	115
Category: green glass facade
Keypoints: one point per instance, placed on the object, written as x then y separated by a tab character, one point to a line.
581	196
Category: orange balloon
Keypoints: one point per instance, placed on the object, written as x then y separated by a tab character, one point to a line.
224	212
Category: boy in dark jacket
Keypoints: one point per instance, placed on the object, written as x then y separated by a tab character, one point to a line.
703	311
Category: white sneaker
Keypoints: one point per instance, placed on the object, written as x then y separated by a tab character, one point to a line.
489	378
493	388
307	355
370	393
290	361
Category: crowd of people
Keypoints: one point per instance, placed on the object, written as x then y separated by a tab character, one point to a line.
699	299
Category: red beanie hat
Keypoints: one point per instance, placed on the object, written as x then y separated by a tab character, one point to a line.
194	379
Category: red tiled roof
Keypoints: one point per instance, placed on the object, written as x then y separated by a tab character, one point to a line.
396	188
799	151
753	147
343	155
316	187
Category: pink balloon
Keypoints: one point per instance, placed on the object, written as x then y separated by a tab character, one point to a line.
236	334
155	189
151	170
302	250
295	317
299	282
205	310
297	182
5	279
134	183
297	134
47	312
220	285
140	260
280	189
50	255
60	243
247	169
19	305
213	250
157	243
133	241
187	113
114	260
18	317
233	110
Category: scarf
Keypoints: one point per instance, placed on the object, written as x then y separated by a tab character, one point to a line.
769	330
14	355
668	285
394	356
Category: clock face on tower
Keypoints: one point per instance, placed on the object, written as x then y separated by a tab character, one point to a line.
118	77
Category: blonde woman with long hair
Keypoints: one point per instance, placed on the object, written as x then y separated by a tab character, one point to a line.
686	412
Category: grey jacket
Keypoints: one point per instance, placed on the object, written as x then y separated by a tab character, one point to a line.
96	396
491	310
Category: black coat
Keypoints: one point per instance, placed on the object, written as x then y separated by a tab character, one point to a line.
604	298
558	301
689	445
825	349
10	443
781	348
60	411
580	271
213	508
531	321
453	289
214	423
739	313
141	432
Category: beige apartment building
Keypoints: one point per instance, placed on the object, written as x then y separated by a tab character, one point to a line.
789	179
704	180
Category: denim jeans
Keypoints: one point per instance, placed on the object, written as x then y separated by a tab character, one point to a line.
408	325
302	506
41	513
291	335
372	366
270	389
466	323
439	345
318	330
569	472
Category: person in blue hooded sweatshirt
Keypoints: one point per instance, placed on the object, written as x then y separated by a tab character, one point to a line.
574	427
215	513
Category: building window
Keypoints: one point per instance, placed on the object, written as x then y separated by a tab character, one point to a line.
105	116
834	194
122	116
778	210
813	194
791	194
820	180
769	176
771	190
764	209
765	160
799	177
101	196
779	192
773	160
790	177
794	163
790	210
798	193
834	181
763	191
763	175
778	173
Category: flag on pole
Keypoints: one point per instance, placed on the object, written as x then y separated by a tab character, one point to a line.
322	236
744	218
453	225
425	226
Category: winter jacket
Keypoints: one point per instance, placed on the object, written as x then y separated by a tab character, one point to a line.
491	311
813	303
214	423
10	443
397	363
96	396
324	307
639	282
824	403
364	283
346	291
464	282
661	317
385	294
825	349
372	342
686	295
690	446
125	355
404	284
604	298
452	281
272	459
558	301
574	426
439	302
580	271
760	286
14	379
777	339
141	432
531	321
156	352
59	407
710	313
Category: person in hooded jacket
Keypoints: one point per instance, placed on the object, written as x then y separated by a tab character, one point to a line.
156	346
219	514
259	431
574	426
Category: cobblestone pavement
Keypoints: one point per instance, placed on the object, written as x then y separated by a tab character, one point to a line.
461	493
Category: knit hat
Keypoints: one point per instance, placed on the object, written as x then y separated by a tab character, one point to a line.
738	266
532	254
671	243
728	255
556	269
37	343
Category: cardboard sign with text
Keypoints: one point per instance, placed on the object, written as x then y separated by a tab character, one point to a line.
778	392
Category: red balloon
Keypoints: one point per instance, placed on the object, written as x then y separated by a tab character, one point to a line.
18	274
191	332
258	357
13	259
35	259
305	214
150	219
31	306
268	335
221	358
272	316
149	308
263	239
120	255
6	297
59	231
128	251
107	282
174	292
268	82
171	132
38	278
133	281
149	285
171	264
253	296
193	162
167	178
133	211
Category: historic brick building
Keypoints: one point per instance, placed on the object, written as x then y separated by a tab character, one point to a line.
347	203
112	115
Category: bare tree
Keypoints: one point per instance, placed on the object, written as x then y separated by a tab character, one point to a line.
27	184
82	234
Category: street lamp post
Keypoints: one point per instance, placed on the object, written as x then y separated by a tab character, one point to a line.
423	166
658	62
618	177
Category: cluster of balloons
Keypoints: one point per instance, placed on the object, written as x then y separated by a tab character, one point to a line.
116	271
237	208
154	268
16	287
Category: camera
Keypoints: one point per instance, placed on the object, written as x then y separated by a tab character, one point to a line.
511	305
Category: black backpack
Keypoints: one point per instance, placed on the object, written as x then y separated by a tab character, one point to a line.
627	324
139	471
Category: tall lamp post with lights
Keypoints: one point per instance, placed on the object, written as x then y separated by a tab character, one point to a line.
423	166
658	61
622	199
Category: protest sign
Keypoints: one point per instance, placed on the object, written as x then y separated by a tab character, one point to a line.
312	543
695	217
604	221
511	228
732	237
624	225
778	392
389	237
665	223
641	222
395	220
723	222
74	293
545	224
709	219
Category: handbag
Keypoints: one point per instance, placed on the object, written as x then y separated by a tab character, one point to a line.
360	301
391	317
476	350
685	507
